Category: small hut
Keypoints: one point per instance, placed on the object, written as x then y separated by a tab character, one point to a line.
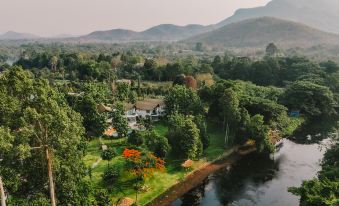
187	164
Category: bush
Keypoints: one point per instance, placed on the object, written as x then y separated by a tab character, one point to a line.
111	175
102	197
135	138
157	144
108	154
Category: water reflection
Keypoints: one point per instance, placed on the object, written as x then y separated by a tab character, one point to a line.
257	180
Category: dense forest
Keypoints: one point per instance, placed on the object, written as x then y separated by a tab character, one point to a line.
50	124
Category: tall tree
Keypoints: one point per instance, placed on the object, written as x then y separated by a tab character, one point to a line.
183	100
229	103
47	137
119	121
93	121
184	136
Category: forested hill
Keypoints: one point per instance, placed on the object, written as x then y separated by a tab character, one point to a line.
259	32
163	32
321	14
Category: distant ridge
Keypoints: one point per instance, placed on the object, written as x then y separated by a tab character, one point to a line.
320	14
163	32
259	32
11	35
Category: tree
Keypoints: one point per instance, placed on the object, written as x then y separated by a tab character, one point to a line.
263	74
184	136
108	155
199	120
272	50
330	66
88	70
102	197
2	193
94	122
54	63
157	144
322	191
111	175
119	120
179	80
122	91
47	137
132	97
190	82
135	138
199	47
182	100
311	99
142	165
259	132
229	103
6	140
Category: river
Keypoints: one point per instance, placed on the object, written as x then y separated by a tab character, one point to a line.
260	181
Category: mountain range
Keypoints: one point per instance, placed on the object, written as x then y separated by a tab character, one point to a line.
251	27
163	32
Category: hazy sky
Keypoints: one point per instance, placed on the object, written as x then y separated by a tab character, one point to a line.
52	17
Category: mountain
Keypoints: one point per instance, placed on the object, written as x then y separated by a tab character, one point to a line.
115	35
320	14
11	35
170	32
259	32
163	32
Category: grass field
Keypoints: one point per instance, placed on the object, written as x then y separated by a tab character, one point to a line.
157	184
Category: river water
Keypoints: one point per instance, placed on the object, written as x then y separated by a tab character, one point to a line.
261	181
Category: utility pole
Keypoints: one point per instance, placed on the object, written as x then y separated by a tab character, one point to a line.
2	193
50	177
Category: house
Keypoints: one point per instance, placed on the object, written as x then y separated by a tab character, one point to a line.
130	114
150	108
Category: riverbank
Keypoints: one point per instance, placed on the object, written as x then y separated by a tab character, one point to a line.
260	180
195	178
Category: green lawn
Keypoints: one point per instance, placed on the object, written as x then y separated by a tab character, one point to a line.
157	184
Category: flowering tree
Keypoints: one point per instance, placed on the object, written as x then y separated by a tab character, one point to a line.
142	165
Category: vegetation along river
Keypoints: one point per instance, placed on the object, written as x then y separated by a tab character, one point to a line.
261	181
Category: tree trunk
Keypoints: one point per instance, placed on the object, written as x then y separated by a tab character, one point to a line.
2	193
50	178
226	135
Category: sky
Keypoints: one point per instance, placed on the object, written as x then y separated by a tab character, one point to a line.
77	17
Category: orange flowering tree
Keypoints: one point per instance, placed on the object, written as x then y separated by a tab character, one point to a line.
142	164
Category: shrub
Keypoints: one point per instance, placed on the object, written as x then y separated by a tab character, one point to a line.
111	175
108	154
135	138
102	197
157	144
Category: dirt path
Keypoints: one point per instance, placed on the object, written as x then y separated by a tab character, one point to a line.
95	164
195	178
